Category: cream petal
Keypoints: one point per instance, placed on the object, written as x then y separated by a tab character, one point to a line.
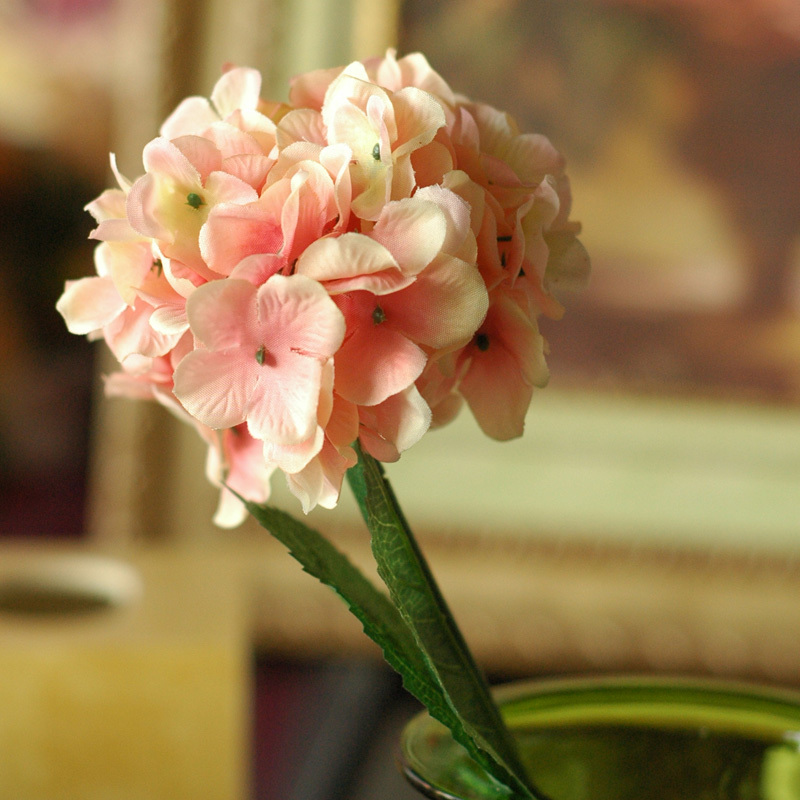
348	256
237	88
418	117
192	116
413	230
89	304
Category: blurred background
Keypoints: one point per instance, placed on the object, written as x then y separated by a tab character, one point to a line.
665	456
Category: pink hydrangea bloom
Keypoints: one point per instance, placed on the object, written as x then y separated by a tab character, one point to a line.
357	264
262	354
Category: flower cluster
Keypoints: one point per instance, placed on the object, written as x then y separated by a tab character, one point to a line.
354	264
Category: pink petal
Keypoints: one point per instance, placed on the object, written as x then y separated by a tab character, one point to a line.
308	90
215	387
109	205
342	426
444	307
499	381
260	127
431	163
308	208
130	334
200	153
353	88
283	406
122	181
128	264
232	141
497	395
143	207
532	156
230	511
413	70
115	230
293	458
320	482
292	155
457	212
181	278
519	334
471	193
252	169
376	362
237	458
296	312
225	188
400	420
169	319
377	446
232	232
336	159
222	315
259	268
301	125
161	157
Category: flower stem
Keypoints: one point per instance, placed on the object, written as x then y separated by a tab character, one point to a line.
402	566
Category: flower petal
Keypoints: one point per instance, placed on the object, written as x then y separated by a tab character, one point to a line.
295	457
296	312
443	307
418	117
497	394
89	304
238	88
215	387
233	232
222	314
345	257
283	407
192	116
376	362
413	230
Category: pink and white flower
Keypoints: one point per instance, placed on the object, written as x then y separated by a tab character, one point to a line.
261	355
355	265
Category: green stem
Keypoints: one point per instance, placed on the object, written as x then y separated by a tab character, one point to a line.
413	589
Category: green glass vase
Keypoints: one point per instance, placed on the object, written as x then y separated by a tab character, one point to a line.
626	739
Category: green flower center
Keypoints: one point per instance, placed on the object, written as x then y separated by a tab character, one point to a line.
378	315
194	200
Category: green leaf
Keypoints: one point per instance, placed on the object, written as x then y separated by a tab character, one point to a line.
478	724
381	620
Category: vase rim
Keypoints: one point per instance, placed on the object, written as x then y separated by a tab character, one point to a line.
722	705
